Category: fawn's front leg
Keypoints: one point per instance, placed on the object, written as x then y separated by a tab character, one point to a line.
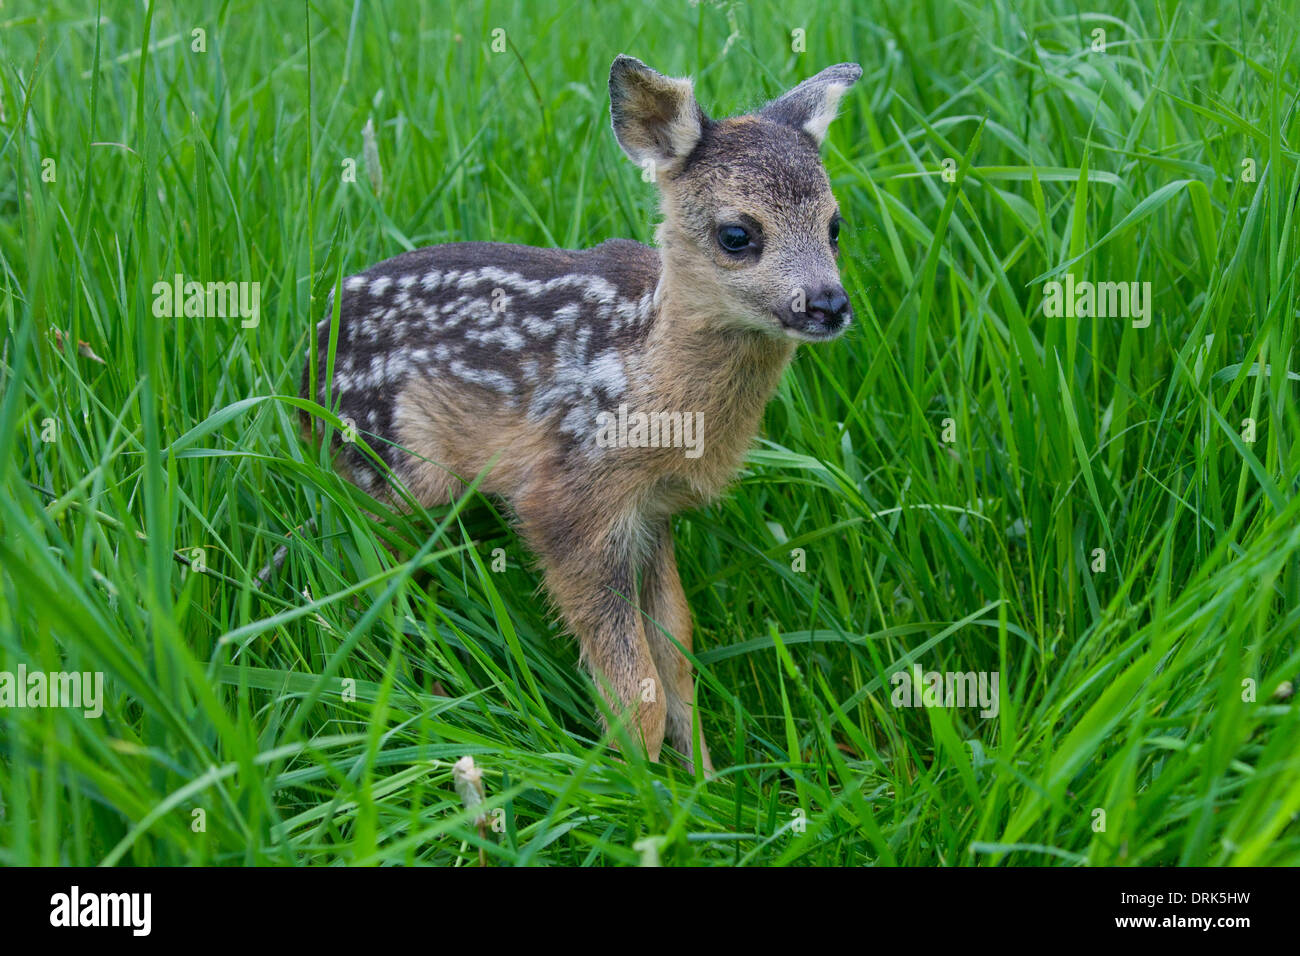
663	602
591	576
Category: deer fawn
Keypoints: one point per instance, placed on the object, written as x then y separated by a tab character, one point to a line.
468	355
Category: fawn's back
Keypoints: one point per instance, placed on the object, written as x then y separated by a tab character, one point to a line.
450	355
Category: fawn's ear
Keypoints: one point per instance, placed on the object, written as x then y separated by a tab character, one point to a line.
656	118
811	105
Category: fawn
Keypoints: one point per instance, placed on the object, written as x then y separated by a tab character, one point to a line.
481	357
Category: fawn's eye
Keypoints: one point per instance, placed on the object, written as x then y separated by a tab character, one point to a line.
835	230
734	238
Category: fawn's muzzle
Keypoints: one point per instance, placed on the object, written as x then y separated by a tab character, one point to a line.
825	315
830	308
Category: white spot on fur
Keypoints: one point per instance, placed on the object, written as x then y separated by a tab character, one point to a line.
608	374
486	377
397	366
506	337
580	343
536	326
578	422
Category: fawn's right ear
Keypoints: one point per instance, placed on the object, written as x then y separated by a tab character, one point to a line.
656	118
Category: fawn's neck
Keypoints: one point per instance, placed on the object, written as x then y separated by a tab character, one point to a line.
695	360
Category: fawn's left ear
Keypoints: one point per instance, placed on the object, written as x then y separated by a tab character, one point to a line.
811	105
656	118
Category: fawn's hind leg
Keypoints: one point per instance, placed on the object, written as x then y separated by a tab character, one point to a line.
591	576
663	603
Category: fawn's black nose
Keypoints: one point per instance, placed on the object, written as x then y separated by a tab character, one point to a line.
830	307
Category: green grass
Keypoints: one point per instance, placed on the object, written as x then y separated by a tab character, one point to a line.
1121	689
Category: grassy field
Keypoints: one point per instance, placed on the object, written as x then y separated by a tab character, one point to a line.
1101	511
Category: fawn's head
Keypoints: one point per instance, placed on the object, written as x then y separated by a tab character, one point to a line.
750	231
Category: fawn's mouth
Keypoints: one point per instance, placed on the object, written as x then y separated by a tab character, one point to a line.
810	327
